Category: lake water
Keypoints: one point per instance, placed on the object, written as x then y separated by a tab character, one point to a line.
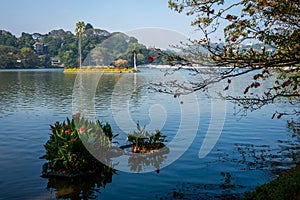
249	151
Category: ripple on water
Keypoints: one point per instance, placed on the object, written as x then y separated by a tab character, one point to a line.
241	159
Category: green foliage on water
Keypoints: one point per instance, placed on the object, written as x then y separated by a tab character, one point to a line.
144	141
65	150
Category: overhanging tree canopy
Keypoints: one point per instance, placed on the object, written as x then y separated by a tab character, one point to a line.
274	24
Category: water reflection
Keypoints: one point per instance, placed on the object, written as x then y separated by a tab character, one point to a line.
83	187
137	163
262	157
33	90
88	186
228	189
30	100
294	147
247	158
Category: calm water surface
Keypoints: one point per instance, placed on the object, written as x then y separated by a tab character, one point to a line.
250	151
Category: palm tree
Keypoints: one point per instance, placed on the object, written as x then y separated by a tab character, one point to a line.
80	28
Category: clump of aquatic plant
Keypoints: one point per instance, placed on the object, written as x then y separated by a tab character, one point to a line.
145	141
65	150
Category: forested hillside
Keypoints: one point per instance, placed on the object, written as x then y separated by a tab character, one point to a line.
59	48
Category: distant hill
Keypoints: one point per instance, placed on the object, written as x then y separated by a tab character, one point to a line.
56	48
59	48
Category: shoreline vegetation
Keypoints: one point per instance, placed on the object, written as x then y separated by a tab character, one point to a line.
59	48
286	186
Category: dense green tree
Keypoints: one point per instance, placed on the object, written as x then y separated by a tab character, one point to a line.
273	23
68	55
7	39
45	61
28	58
91	38
113	48
142	53
56	39
8	56
26	40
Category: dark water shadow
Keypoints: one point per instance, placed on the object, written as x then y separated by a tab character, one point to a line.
79	187
88	186
156	159
225	190
247	157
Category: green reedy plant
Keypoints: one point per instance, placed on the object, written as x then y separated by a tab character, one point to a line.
143	140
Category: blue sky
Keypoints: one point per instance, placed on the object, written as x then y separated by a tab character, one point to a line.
42	16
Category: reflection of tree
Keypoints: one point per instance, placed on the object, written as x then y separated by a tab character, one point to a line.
227	186
225	189
39	88
82	187
262	157
249	157
294	128
136	162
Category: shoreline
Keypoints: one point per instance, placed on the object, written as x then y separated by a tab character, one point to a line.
286	186
98	69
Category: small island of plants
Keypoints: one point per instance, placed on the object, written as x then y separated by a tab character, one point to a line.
65	151
67	155
145	142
